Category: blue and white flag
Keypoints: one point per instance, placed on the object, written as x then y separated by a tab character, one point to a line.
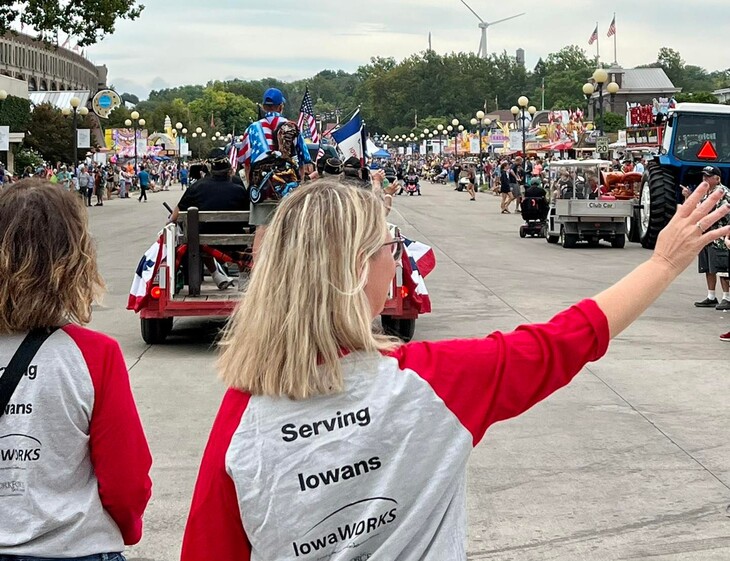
349	138
145	274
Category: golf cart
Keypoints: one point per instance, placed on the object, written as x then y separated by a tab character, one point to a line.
581	206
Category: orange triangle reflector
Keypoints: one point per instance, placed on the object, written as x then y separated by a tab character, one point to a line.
707	152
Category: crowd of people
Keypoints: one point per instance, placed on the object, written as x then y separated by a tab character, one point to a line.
95	182
506	176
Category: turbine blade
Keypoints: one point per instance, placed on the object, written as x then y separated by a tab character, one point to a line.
472	11
505	19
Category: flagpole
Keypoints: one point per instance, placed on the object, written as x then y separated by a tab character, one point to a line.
598	48
615	56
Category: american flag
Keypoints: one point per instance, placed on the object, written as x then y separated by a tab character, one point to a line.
259	138
612	28
233	157
594	37
306	113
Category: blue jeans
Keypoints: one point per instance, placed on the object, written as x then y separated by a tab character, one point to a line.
98	557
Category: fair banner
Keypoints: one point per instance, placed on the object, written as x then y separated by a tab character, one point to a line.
4	139
474	147
83	138
141	146
184	149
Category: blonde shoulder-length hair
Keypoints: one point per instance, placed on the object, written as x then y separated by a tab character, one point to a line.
48	271
306	304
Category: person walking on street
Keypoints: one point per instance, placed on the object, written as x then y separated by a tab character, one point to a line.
85	183
144	183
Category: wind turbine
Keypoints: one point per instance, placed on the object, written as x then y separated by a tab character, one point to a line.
484	25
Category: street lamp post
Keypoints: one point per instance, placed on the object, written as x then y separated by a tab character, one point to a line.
75	110
179	128
199	134
479	121
600	77
135	122
522	111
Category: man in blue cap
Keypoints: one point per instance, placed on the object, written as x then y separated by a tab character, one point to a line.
272	144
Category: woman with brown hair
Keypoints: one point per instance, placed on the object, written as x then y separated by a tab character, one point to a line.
335	442
74	460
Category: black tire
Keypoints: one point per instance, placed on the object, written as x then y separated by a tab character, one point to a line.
569	241
523	233
404	329
658	203
552	239
155	331
632	226
618	241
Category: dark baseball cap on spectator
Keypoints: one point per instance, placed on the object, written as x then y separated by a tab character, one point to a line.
710	171
273	96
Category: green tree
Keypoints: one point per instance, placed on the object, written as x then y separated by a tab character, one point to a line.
15	113
50	134
696	97
565	72
613	122
87	20
229	111
116	118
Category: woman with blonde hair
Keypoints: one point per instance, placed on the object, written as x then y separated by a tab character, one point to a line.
335	442
74	460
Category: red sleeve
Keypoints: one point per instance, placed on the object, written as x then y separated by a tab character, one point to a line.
119	451
214	529
483	381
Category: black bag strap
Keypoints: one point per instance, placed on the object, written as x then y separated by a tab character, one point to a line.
19	364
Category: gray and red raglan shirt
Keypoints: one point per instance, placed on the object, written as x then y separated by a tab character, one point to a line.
378	471
74	461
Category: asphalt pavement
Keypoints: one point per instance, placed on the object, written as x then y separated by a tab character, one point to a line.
631	461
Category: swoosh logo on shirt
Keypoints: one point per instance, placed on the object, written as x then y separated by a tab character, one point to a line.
23	435
372	499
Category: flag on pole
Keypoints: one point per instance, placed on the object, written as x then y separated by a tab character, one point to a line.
148	267
418	261
594	36
306	115
612	28
233	157
349	138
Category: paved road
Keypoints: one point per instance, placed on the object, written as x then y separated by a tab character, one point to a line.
631	461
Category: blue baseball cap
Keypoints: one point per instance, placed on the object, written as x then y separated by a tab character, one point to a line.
273	96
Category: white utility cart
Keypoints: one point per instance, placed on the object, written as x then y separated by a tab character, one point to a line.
579	209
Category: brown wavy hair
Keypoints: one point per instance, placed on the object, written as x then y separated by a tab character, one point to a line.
48	272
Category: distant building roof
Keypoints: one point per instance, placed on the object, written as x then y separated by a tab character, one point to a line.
59	100
647	79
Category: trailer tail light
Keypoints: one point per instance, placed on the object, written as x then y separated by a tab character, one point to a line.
404	292
156	292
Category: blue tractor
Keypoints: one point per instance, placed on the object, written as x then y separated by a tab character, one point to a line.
695	135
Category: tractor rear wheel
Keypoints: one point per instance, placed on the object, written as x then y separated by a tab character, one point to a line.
658	203
632	226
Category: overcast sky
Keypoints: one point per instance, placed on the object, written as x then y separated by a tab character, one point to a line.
178	42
